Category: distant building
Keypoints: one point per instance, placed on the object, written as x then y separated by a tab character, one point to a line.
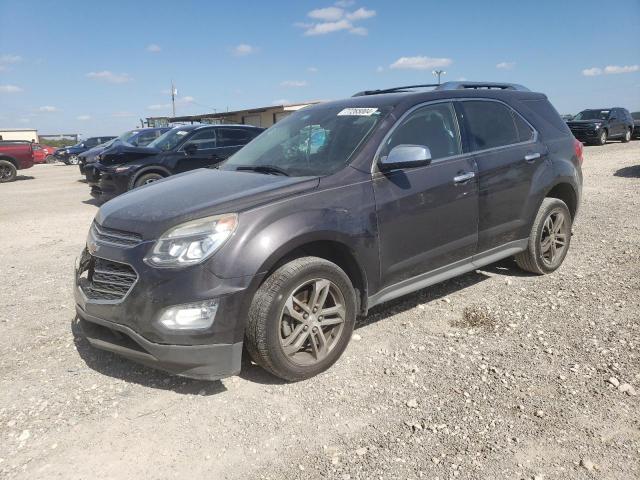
258	117
28	134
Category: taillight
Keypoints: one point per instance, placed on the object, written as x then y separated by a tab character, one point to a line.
577	145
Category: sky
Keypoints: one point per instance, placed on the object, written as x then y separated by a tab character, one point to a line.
96	68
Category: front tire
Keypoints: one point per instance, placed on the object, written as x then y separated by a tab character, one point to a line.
549	238
602	139
301	319
8	171
627	136
146	179
73	160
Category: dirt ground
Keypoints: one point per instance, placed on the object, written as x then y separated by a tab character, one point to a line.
493	375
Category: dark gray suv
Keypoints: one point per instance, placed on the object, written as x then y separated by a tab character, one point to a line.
335	209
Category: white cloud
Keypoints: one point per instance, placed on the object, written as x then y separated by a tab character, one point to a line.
282	101
24	120
380	69
108	76
159	106
243	50
505	65
345	3
420	63
592	72
613	69
334	19
312	70
154	48
361	14
329	14
180	102
83	117
48	109
10	89
610	70
123	114
462	79
10	58
293	83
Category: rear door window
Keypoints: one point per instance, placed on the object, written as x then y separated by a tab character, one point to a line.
490	124
233	137
205	139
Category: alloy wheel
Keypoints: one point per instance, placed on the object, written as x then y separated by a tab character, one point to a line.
627	136
312	321
603	138
554	238
5	172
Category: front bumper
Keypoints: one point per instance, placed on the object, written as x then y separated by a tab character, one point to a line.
586	135
106	184
127	326
202	362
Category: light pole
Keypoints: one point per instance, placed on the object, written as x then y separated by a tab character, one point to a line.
438	73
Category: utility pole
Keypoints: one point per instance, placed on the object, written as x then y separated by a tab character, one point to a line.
438	73
173	98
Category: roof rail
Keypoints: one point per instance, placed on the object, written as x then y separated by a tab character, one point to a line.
394	89
481	86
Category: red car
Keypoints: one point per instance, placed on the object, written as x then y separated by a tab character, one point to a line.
41	152
14	156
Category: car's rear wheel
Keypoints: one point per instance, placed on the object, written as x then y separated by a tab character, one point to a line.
627	136
602	139
549	238
8	171
301	318
146	179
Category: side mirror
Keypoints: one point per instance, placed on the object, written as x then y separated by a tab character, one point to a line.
405	156
190	148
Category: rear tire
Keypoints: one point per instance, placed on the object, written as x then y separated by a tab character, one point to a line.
627	136
8	171
602	139
301	319
146	179
549	238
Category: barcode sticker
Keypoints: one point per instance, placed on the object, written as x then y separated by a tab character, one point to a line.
358	112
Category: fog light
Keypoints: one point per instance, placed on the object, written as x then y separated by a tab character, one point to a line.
191	316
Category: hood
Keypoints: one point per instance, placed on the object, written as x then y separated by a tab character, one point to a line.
124	152
153	209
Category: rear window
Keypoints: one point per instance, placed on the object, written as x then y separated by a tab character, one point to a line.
490	124
549	119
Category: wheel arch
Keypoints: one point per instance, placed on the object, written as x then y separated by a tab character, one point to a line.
159	169
566	192
330	249
11	160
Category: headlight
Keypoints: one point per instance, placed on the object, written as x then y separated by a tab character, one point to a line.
192	242
192	316
597	125
122	169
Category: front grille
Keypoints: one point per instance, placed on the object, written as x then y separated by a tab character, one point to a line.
115	237
102	279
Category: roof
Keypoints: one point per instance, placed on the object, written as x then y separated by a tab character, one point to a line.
287	108
18	129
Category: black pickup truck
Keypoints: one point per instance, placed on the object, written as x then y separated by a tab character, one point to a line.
596	126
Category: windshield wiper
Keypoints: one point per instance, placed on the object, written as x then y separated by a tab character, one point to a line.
268	169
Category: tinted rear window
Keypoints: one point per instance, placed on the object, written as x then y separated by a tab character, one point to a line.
490	123
546	116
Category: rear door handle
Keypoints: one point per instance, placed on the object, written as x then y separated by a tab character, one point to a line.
463	177
530	157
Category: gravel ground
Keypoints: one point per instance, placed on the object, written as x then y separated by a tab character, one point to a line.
496	374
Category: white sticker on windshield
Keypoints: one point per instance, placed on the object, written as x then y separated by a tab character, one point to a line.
358	112
182	132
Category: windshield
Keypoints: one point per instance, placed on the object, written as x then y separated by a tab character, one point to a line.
311	142
169	140
126	136
592	115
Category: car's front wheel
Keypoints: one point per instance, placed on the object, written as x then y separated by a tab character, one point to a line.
549	238
8	171
301	318
602	139
73	160
146	179
627	136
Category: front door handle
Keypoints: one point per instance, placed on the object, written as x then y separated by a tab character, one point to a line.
530	157
463	177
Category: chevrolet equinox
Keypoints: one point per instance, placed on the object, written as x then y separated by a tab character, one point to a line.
335	209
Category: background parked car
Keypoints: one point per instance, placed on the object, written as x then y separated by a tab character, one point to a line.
140	137
14	156
41	152
69	155
596	126
567	117
636	124
123	166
